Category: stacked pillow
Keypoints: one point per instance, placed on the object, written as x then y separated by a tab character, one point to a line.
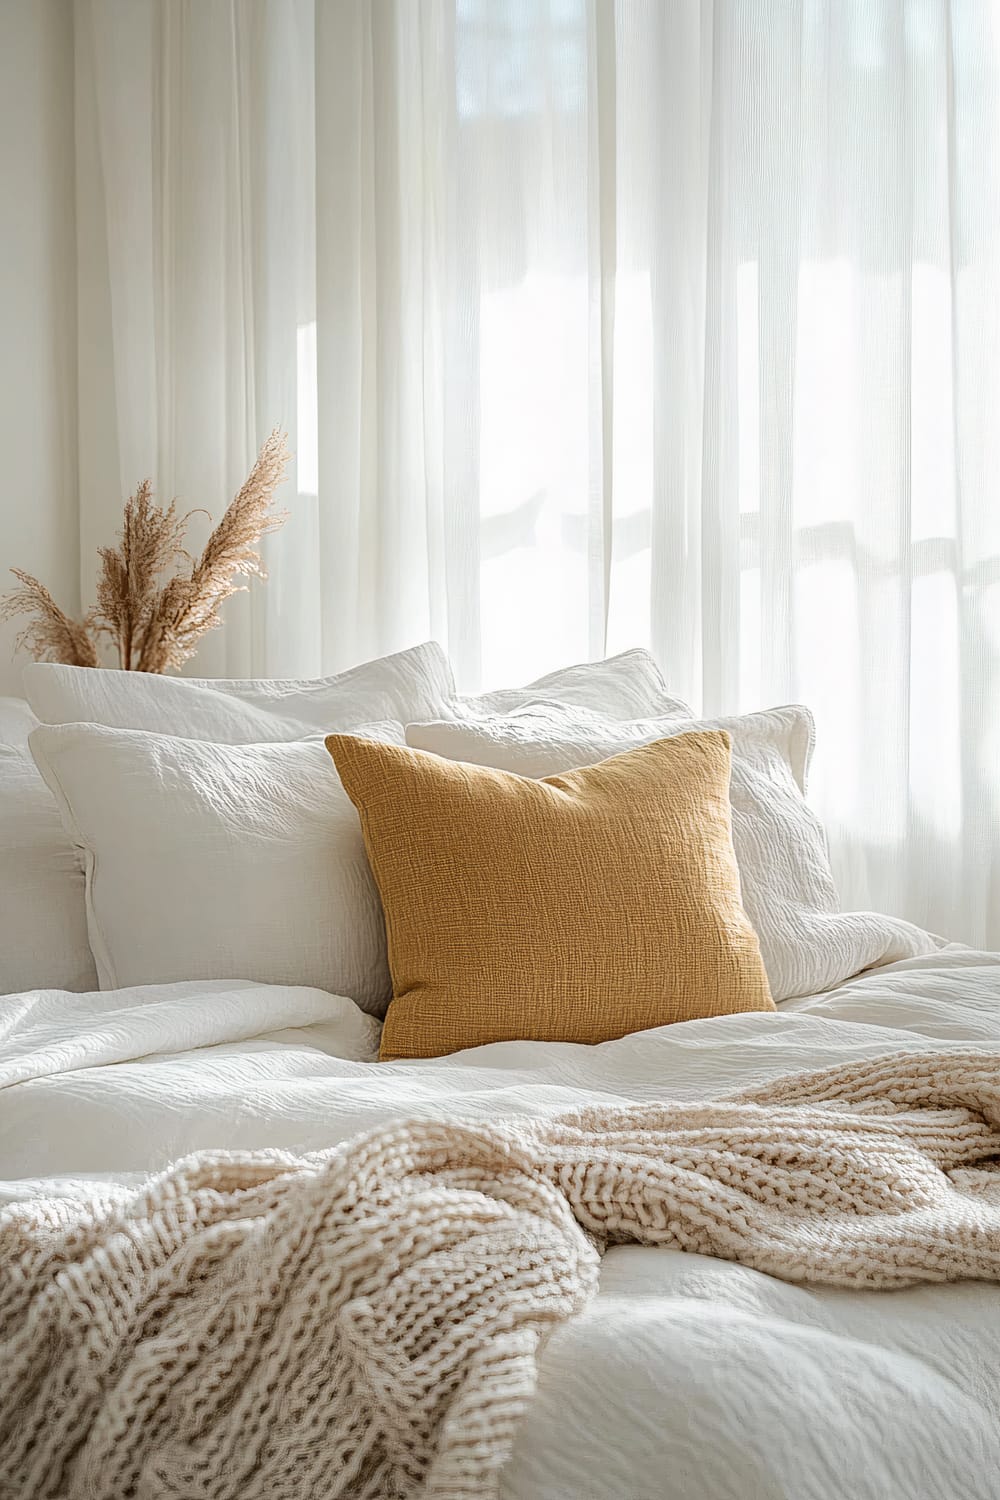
16	723
217	841
43	926
627	686
787	884
412	684
209	861
43	918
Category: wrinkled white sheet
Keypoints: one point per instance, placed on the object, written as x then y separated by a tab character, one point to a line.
688	1378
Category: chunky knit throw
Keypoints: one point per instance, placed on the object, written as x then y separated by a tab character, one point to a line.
366	1323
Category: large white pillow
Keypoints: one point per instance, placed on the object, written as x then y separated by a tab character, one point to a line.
627	686
788	890
413	684
208	861
43	922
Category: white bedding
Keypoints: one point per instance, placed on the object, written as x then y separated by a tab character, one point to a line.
688	1378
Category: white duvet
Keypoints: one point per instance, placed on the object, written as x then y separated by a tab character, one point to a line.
688	1378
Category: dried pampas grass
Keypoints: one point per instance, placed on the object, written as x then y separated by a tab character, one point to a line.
156	623
188	606
128	587
49	634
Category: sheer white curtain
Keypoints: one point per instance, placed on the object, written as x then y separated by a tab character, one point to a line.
593	324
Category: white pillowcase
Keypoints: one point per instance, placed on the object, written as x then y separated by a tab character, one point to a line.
43	920
413	684
16	723
208	861
43	923
787	884
626	686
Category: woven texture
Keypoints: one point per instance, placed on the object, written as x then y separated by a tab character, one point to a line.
577	908
365	1324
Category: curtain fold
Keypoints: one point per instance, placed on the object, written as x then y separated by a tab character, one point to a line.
592	324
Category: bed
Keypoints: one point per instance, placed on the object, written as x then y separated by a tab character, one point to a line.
687	1376
171	836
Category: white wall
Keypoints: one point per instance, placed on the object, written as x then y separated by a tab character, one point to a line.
38	525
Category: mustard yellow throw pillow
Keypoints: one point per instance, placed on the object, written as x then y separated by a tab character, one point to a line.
573	909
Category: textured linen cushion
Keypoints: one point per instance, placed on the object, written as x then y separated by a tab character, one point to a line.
620	687
43	921
212	861
788	890
414	684
577	908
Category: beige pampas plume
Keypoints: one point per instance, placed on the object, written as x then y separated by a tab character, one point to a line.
189	605
156	624
50	635
128	587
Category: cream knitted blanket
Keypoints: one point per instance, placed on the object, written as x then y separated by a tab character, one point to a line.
366	1323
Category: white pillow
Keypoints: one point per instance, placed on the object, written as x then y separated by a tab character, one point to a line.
208	861
626	686
43	922
787	884
16	723
413	684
